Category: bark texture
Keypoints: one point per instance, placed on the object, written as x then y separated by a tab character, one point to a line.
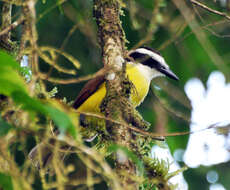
112	41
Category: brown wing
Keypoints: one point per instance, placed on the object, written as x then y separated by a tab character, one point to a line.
89	88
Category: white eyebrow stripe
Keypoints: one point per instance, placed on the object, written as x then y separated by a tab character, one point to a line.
155	56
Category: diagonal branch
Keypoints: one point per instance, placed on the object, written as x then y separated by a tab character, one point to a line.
199	33
12	26
6	19
210	9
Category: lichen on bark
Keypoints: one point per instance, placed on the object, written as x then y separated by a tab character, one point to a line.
112	40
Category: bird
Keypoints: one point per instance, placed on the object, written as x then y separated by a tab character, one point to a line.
143	64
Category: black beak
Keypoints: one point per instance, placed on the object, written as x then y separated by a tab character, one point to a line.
168	73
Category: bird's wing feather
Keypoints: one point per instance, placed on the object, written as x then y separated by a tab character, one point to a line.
89	88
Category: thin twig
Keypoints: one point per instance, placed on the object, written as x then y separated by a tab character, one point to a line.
206	27
156	136
188	14
70	33
65	81
12	26
210	9
175	36
30	35
101	72
48	10
6	19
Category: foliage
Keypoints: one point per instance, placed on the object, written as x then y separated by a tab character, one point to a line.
63	48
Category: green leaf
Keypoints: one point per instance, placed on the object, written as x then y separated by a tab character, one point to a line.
60	118
8	61
28	103
10	79
4	127
129	154
12	84
5	182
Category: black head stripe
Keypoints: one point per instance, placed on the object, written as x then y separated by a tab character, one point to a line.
153	59
138	56
152	63
145	60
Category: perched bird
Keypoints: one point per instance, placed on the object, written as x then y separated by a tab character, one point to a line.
143	64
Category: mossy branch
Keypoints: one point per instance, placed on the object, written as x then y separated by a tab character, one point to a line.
112	41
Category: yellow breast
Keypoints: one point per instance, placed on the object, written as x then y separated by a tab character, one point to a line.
138	92
140	82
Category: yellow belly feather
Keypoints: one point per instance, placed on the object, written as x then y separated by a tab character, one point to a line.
92	104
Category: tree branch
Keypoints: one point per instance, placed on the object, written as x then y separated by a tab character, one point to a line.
209	9
5	41
30	35
12	26
112	41
6	18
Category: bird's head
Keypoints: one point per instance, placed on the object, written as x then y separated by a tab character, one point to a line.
152	62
